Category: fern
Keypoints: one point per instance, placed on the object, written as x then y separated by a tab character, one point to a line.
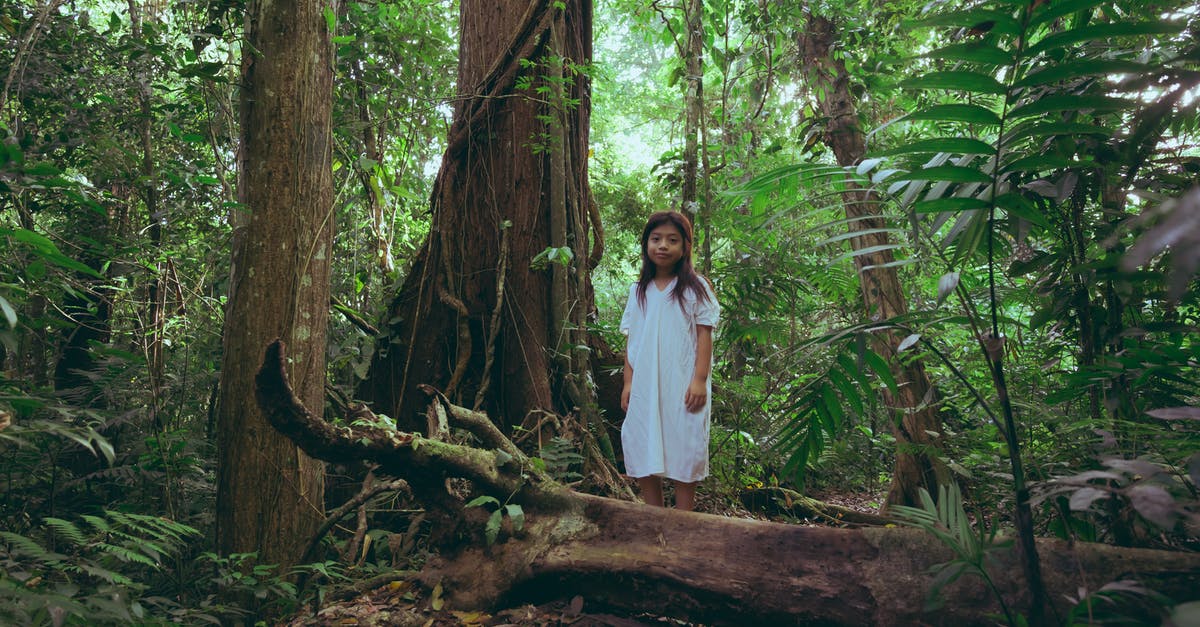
101	581
66	530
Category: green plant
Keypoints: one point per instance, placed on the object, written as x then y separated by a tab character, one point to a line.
492	529
973	546
96	570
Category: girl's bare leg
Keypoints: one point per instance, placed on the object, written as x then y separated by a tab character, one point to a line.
652	490
685	496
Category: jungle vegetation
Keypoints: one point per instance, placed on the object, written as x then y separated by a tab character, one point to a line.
956	247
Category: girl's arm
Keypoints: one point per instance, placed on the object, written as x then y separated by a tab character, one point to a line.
697	392
628	385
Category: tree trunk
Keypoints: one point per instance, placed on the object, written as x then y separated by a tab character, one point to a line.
917	431
693	102
704	568
269	493
485	312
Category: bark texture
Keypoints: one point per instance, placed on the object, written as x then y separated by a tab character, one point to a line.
269	493
474	317
703	568
917	442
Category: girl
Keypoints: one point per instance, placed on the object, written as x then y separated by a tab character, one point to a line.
669	319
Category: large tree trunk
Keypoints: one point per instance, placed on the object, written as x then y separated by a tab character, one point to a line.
917	431
701	567
269	493
474	317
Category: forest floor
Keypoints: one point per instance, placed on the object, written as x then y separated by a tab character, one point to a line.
405	603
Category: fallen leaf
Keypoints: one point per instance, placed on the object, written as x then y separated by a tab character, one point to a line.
438	601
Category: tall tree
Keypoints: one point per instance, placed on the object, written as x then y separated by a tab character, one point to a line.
269	494
494	309
919	425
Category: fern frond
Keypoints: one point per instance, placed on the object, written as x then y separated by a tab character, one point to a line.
22	545
66	530
126	555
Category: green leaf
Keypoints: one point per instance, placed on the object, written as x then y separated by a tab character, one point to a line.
974	52
1067	102
517	515
956	80
1002	23
952	173
1098	32
851	395
1078	69
880	367
963	145
1017	205
330	19
837	417
1039	130
480	500
840	237
1043	163
43	168
492	530
1049	11
973	114
10	313
949	204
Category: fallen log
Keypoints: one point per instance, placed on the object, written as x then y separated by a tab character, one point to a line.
780	500
694	566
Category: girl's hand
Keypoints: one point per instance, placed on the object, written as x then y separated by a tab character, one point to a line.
625	398
697	395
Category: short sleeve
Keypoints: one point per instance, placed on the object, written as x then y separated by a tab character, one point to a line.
708	313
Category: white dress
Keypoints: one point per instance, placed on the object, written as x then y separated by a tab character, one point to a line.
660	436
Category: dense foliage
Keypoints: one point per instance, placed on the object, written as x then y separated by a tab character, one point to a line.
1035	165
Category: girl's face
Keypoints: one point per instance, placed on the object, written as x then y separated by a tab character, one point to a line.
665	247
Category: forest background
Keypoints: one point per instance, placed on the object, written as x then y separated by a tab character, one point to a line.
953	248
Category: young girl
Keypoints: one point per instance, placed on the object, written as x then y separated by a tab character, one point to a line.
669	319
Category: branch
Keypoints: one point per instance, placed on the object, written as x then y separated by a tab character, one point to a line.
477	423
496	472
353	317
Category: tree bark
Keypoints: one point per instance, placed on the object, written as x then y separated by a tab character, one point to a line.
693	103
703	568
515	169
269	493
919	427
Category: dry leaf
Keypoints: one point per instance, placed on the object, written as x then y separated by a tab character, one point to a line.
438	602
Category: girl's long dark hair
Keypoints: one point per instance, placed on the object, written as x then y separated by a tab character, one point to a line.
685	273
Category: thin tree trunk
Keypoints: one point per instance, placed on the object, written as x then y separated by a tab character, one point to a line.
918	429
693	102
270	494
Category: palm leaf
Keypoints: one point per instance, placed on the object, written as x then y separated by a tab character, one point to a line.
1071	102
957	145
1003	22
1098	32
970	113
1079	69
956	80
950	173
974	52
